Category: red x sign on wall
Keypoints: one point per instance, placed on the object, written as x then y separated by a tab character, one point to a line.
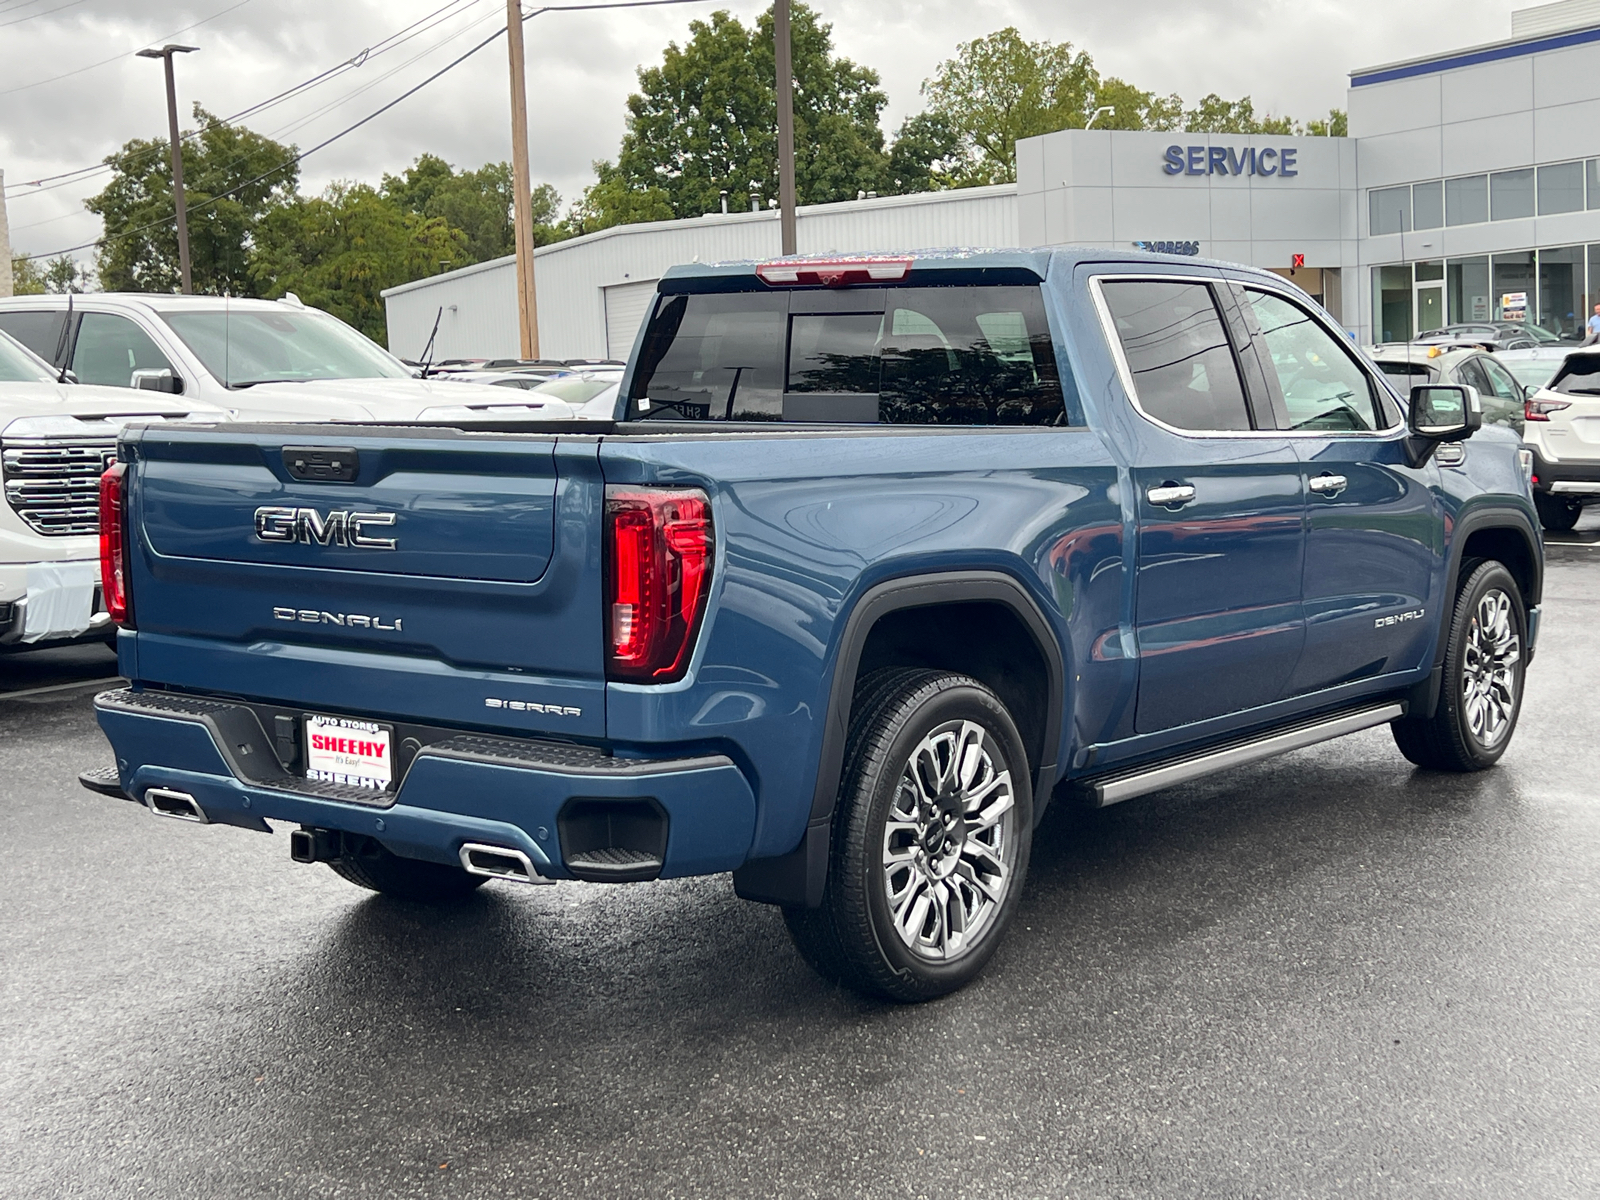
1298	260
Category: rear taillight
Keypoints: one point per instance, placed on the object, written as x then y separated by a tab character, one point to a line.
114	544
659	548
1540	410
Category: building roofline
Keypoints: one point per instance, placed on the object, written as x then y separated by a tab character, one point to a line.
1472	56
948	196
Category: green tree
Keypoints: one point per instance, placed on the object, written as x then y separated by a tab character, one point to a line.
704	122
63	274
611	200
1337	125
232	178
1215	115
27	277
1003	87
928	155
339	250
1136	109
34	277
479	203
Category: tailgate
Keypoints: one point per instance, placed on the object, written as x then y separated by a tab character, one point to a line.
405	572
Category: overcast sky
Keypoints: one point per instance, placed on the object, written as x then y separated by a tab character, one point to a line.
1290	56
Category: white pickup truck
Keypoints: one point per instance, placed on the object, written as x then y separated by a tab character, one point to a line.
55	440
259	360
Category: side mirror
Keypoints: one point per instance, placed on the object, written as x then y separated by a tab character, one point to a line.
151	379
1441	412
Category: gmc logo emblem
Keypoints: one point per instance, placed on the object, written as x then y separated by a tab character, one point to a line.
308	526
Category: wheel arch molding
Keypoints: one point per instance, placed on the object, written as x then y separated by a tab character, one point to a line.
1023	656
1502	532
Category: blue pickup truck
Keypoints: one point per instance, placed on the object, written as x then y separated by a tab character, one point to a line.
878	556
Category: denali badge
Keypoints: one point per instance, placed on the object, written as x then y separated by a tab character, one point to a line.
1414	615
315	616
336	529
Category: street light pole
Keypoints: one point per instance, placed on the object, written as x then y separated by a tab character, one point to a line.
785	82
521	187
165	54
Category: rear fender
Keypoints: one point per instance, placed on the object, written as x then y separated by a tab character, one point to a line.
797	878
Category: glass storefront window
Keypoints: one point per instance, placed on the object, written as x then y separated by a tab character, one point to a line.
1390	210
1427	205
1511	194
1561	188
1562	290
1391	303
1561	309
1467	289
1591	173
1466	200
1513	292
1592	293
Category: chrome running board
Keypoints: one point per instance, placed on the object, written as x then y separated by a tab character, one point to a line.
1110	789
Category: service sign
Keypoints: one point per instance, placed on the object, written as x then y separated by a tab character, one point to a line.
348	752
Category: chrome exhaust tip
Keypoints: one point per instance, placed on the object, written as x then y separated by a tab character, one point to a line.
166	802
499	862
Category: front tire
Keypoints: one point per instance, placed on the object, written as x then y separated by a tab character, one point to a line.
1556	513
367	863
1484	662
930	839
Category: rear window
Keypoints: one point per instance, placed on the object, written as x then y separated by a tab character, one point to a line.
906	355
1407	371
1579	376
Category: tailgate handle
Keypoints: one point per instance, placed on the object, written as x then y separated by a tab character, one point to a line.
321	464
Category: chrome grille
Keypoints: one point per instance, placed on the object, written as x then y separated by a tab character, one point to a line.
55	486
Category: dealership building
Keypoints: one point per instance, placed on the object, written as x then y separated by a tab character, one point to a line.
1468	189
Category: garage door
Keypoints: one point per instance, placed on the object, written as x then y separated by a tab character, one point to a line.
626	306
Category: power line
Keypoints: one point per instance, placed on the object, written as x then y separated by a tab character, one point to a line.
304	154
22	87
398	38
35	16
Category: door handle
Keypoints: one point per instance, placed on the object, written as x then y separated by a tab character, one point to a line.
1328	485
1170	495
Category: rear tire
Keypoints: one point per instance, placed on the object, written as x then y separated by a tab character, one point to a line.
930	839
367	863
1557	513
1481	695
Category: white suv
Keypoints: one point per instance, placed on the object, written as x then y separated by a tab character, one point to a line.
55	440
260	360
1563	430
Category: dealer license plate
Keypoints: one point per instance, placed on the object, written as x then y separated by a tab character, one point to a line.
349	752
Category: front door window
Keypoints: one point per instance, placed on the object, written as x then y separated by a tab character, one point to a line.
111	348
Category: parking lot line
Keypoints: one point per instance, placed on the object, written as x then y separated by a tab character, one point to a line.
63	687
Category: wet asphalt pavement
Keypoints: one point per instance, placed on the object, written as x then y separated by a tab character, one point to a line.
1325	975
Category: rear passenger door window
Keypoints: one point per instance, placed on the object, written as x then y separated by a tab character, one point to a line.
38	331
109	349
1182	366
1319	383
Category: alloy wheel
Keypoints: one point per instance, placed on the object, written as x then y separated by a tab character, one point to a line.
1490	663
949	844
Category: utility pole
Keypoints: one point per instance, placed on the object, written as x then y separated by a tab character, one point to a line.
165	54
5	242
521	186
780	47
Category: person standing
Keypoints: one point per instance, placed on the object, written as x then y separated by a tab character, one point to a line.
1593	335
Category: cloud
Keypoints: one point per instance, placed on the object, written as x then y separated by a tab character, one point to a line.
1290	56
